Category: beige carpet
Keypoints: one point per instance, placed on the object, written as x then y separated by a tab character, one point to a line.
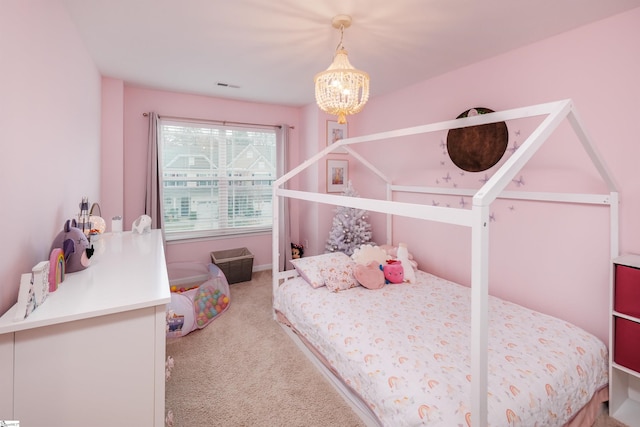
243	370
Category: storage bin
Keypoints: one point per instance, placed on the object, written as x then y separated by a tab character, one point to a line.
199	294
627	290
627	343
185	275
236	264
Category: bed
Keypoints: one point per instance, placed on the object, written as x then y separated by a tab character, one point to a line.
453	353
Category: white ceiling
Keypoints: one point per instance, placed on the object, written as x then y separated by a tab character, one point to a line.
272	49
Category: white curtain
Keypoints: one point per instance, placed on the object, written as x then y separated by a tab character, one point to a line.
153	196
284	225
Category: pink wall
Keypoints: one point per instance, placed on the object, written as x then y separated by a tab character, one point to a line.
50	121
51	165
112	150
139	100
551	258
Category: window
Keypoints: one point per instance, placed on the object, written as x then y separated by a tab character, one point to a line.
216	180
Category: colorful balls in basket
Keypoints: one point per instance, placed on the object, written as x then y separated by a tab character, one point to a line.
208	303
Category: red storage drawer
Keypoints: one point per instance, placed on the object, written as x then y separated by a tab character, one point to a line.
627	290
626	350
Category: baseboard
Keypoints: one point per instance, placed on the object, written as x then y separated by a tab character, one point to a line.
261	267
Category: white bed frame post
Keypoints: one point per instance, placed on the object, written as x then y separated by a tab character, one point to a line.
479	314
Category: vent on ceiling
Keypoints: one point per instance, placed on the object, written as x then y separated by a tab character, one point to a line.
228	85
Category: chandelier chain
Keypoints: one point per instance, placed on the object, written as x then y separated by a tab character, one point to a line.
340	45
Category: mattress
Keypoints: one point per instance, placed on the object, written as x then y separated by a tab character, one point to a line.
405	351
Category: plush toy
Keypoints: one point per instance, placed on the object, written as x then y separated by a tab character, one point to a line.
368	253
142	224
75	247
369	276
392	252
393	271
296	251
403	257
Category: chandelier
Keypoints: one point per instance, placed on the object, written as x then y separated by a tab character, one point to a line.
341	89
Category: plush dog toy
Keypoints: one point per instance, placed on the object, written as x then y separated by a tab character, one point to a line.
75	246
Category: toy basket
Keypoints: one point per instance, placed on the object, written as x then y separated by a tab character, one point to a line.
199	294
236	264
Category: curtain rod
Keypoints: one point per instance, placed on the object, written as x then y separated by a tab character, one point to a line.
222	122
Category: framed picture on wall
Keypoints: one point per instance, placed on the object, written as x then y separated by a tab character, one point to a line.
337	175
336	132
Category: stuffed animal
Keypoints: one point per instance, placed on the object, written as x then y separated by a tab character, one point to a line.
393	272
392	252
142	224
403	257
75	246
369	276
296	251
368	253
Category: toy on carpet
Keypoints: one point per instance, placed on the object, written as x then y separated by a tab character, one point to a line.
208	303
195	306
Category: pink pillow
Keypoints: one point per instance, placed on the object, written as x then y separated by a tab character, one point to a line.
370	276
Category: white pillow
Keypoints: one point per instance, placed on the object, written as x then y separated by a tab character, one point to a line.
310	268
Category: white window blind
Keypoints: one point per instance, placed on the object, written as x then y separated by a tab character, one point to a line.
216	179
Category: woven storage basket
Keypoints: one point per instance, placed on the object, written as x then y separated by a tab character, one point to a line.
236	264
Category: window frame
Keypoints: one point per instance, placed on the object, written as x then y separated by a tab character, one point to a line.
193	179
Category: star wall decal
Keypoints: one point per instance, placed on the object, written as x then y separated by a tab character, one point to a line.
514	147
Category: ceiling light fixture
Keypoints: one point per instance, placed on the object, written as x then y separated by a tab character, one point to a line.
341	89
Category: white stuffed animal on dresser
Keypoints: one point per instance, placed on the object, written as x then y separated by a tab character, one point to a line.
142	224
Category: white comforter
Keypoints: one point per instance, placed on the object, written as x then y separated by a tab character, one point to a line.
405	349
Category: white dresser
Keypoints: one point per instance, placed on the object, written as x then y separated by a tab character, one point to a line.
94	353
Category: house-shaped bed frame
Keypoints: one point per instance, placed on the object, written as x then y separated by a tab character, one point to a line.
477	218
